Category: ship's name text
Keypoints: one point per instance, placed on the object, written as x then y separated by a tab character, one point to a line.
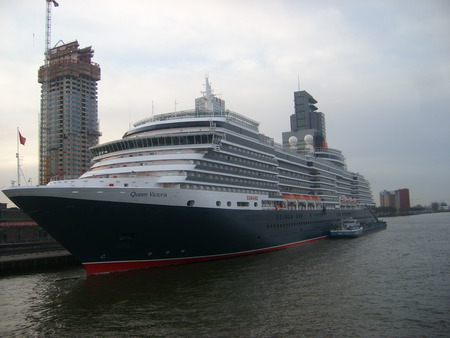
252	198
148	194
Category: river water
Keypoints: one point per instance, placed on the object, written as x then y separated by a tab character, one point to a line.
392	283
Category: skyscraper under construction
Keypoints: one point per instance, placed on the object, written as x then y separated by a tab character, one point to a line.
68	124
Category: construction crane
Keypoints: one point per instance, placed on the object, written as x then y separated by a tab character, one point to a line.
44	170
48	26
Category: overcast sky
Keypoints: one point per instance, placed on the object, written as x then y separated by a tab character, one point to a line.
380	71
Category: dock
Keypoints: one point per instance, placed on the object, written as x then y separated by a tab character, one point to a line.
29	261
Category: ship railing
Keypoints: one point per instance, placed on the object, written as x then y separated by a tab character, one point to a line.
191	113
63	178
196	113
242	120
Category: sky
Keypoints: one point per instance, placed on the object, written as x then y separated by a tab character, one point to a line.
380	71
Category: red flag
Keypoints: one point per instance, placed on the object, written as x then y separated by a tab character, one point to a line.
22	139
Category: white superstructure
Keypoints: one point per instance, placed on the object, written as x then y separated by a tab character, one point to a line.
220	152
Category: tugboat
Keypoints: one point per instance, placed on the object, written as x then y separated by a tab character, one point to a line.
349	228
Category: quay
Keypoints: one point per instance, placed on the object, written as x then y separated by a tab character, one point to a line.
25	246
29	261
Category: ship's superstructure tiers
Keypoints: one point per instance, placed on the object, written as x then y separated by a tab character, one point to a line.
223	151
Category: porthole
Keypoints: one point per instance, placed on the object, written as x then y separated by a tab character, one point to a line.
229	203
218	203
190	203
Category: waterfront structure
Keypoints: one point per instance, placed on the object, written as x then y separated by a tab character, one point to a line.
398	199
17	228
194	185
68	124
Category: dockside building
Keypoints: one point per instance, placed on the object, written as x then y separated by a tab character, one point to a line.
398	199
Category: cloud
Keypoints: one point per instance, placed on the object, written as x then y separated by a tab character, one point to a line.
379	70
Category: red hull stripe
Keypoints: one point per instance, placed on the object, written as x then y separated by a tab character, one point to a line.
106	267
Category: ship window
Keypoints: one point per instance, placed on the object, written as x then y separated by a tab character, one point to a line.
243	204
229	203
190	203
218	203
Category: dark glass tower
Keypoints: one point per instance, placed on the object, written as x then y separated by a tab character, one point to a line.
306	120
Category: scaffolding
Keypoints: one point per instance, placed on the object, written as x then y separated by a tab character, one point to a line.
68	119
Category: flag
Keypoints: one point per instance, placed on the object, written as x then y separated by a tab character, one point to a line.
22	139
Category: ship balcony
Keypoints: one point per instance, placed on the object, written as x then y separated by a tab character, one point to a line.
243	172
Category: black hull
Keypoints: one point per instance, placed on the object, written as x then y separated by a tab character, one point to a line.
111	236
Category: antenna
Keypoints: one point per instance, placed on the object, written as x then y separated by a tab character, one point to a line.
298	82
129	118
208	94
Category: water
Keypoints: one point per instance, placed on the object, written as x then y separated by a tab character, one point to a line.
391	283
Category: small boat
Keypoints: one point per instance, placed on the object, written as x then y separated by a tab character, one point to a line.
349	228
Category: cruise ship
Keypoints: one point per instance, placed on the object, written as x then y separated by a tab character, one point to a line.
197	185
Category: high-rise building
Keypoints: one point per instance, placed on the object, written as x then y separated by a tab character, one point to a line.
68	124
402	199
398	199
306	120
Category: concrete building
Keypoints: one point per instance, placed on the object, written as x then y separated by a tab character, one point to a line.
398	199
306	120
68	124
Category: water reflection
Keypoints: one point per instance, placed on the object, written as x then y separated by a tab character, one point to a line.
392	282
241	292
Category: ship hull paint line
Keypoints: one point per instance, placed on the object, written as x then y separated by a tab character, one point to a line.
94	268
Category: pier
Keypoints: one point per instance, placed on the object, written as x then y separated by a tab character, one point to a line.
37	260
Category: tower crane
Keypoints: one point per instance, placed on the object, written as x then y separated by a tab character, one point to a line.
44	170
49	26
